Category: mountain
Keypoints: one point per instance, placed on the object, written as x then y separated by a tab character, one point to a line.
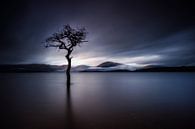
110	67
103	67
167	69
118	67
109	64
32	68
80	68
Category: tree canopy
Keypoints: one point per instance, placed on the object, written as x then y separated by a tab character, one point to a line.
67	38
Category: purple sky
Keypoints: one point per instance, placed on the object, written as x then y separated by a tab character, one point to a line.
135	32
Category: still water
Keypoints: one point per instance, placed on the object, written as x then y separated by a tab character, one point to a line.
98	101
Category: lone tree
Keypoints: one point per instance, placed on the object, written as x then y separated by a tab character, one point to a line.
67	38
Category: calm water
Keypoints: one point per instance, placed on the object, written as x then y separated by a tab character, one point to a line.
98	101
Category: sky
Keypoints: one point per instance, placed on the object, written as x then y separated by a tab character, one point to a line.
134	32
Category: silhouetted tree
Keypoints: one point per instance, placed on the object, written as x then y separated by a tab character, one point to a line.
67	39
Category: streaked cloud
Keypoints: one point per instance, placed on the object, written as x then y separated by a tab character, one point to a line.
130	32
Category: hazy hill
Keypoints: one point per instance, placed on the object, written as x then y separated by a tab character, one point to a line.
31	68
168	69
109	64
103	67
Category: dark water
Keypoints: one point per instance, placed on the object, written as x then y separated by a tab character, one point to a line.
98	101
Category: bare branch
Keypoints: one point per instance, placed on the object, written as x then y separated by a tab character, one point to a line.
67	39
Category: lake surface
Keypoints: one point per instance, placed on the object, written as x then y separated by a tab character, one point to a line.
98	101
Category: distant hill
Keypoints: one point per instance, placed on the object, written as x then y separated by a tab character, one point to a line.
167	69
103	67
80	68
109	67
32	68
109	64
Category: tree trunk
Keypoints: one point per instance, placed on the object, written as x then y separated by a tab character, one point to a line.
68	71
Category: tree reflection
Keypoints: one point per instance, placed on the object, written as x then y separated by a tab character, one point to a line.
69	113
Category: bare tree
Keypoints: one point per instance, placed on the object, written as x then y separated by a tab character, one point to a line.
67	39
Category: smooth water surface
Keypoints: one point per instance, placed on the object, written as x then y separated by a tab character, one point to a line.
98	101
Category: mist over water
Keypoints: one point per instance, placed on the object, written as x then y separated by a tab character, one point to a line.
98	101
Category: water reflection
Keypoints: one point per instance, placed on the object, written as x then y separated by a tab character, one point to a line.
69	109
98	101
